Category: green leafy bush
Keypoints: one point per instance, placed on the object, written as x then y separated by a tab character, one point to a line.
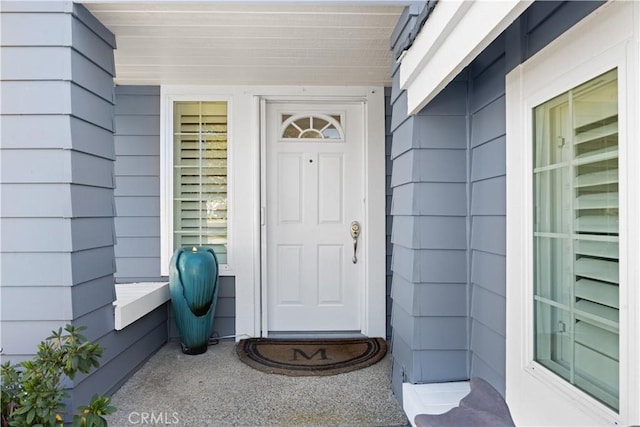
32	391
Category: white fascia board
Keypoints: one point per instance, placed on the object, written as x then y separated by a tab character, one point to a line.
135	300
455	33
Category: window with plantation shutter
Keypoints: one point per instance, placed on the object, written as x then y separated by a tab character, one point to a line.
576	237
200	175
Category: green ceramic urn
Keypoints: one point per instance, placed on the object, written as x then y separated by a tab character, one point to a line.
193	284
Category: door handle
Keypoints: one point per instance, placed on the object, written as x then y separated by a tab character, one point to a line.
355	233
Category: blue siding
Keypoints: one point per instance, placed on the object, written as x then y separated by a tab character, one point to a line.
400	127
61	79
137	198
388	197
538	26
137	174
449	188
63	97
429	208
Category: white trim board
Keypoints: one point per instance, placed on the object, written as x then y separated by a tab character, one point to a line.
135	300
455	33
432	399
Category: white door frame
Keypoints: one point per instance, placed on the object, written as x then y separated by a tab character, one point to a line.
373	295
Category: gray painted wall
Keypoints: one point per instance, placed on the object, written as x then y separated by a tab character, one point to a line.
448	285
137	177
137	199
487	215
429	245
429	239
388	226
537	27
57	182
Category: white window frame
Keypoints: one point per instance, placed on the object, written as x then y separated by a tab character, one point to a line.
606	39
166	176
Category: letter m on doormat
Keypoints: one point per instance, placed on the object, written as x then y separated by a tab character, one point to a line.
321	351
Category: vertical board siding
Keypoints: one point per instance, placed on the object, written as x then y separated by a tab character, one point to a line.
137	198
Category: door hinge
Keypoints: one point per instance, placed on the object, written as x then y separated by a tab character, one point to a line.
263	215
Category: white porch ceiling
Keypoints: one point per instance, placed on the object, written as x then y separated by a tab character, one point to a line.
240	43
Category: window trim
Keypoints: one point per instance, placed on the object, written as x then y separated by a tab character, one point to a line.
560	66
166	176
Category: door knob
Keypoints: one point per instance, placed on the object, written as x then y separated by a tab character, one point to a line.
355	233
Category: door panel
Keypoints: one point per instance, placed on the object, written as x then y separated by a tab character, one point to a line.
290	196
330	187
314	189
330	274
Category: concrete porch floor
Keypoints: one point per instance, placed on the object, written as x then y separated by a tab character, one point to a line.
217	389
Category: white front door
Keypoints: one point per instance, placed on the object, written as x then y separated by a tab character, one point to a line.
314	191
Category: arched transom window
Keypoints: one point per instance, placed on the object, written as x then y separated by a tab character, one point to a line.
312	126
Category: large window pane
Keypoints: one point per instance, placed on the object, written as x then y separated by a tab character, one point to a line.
553	276
576	237
554	344
552	185
200	176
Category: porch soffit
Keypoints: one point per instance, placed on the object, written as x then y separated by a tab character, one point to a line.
242	43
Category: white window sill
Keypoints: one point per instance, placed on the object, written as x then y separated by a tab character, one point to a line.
134	300
432	399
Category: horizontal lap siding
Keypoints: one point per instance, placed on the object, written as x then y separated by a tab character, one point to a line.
439	365
57	190
448	209
137	194
429	238
137	198
487	213
58	228
400	128
545	21
538	26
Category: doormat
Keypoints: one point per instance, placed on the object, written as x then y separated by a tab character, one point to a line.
309	357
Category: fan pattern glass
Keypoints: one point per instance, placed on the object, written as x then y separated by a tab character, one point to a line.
312	126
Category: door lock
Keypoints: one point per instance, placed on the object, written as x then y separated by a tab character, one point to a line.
355	233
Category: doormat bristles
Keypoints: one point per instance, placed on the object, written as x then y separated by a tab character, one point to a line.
309	357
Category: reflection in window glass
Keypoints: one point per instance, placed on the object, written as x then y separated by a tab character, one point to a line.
311	127
200	176
576	237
